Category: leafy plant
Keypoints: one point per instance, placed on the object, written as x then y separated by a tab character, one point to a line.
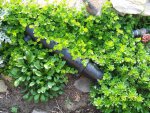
39	73
106	40
125	86
148	47
14	109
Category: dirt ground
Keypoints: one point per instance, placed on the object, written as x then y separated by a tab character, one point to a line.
72	101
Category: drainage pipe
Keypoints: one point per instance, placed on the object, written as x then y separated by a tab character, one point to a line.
91	70
140	32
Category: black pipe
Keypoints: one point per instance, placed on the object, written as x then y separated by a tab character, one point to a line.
140	32
90	71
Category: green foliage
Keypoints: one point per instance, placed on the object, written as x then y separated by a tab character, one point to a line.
14	109
106	40
39	73
126	83
148	47
36	70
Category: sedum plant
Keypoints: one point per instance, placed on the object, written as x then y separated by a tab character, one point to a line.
106	40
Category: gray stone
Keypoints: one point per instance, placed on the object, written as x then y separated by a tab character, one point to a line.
3	87
72	106
94	6
141	7
69	106
147	9
83	84
3	111
38	111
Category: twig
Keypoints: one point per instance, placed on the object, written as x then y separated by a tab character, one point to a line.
59	107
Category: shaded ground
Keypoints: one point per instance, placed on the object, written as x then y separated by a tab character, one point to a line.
72	101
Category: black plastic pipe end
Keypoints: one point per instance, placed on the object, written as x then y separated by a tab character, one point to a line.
140	32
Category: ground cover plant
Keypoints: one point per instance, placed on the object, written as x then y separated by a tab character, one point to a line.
106	40
40	74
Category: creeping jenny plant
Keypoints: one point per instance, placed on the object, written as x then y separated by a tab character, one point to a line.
106	40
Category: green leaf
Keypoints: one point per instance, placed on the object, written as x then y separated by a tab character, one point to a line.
46	66
50	84
33	92
49	77
50	73
37	65
21	79
20	62
38	73
16	83
29	56
30	98
14	110
98	102
42	90
14	71
32	84
36	98
41	55
26	96
55	88
43	98
24	69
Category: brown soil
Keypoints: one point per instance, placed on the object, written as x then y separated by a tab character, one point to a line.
80	100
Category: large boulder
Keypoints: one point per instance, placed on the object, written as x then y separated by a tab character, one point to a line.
147	9
132	6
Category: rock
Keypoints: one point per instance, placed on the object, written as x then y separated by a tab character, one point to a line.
38	111
94	6
3	87
132	6
147	9
69	106
72	106
78	4
83	84
3	111
77	97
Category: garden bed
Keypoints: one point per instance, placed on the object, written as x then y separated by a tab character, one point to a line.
62	104
39	73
